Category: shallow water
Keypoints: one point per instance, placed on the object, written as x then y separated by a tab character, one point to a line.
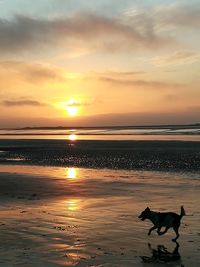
184	133
176	137
85	217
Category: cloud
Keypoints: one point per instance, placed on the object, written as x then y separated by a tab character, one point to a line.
39	72
161	17
177	58
171	98
142	83
119	74
183	16
75	103
22	102
79	104
33	72
82	30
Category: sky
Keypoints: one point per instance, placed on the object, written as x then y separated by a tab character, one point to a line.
99	62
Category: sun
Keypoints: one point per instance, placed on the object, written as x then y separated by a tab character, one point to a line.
72	111
72	107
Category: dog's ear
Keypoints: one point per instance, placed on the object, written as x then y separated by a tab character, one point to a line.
148	208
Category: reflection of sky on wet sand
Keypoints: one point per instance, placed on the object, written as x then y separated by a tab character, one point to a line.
73	204
72	173
92	220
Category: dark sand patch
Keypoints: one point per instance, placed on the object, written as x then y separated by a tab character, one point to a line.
141	155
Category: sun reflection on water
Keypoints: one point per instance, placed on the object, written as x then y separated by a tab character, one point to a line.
72	173
72	137
73	204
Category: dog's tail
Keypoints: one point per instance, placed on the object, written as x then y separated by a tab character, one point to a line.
182	212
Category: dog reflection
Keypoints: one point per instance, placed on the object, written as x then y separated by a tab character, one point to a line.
161	254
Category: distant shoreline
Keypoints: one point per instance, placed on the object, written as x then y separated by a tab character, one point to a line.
173	126
98	134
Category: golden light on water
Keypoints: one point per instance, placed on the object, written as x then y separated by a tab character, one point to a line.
72	137
72	173
73	204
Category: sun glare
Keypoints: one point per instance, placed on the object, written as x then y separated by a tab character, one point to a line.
72	173
72	137
72	111
71	107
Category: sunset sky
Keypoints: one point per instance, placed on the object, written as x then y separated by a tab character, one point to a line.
99	62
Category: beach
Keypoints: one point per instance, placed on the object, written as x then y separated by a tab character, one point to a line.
99	133
70	216
170	155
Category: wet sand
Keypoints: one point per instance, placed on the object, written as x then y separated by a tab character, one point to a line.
52	216
140	155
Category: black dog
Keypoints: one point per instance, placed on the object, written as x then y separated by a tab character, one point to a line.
163	219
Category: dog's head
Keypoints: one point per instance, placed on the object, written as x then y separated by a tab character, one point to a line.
144	214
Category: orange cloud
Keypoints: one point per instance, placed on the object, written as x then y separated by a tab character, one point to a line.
122	79
33	72
177	58
22	102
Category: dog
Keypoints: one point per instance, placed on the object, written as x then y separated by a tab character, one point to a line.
163	219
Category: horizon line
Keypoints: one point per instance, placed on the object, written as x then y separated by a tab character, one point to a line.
101	127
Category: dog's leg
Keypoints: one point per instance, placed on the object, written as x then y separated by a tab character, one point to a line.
158	231
165	231
177	233
151	229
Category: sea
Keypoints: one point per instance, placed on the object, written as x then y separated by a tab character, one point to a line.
185	133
